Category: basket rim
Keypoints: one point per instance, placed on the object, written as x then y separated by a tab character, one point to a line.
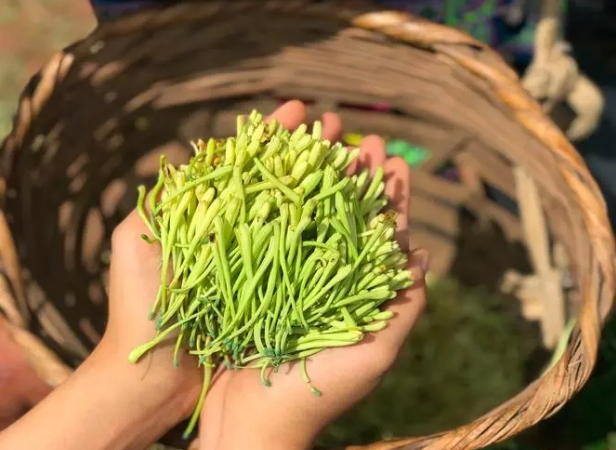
547	394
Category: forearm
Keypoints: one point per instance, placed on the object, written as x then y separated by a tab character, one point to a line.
103	406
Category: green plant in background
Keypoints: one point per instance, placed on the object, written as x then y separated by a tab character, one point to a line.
399	406
12	72
9	10
30	32
608	443
413	154
464	357
588	421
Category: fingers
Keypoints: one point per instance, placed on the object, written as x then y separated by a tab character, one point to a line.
131	256
371	154
397	179
290	115
332	127
407	307
398	191
133	227
127	236
293	113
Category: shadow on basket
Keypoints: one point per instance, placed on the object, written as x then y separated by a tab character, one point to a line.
500	197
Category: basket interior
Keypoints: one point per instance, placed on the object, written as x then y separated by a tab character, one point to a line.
130	96
93	123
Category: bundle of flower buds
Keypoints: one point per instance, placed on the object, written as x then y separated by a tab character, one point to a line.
271	252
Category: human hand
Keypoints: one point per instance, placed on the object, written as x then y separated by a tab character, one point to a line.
240	412
134	282
20	385
133	404
134	279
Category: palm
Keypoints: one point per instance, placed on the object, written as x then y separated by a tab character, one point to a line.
238	401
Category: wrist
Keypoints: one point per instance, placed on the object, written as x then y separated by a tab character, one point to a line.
162	390
105	405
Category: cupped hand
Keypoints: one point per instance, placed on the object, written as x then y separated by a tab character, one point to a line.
134	280
241	413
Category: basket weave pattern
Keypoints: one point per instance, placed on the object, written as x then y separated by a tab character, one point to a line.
91	125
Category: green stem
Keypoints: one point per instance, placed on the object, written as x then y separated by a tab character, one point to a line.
207	379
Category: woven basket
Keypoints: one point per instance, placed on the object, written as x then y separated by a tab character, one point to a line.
92	123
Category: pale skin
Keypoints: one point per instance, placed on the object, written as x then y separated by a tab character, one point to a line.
109	404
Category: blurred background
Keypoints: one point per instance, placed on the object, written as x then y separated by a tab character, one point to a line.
468	353
30	31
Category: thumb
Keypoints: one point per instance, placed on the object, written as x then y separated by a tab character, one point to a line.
134	273
408	305
130	253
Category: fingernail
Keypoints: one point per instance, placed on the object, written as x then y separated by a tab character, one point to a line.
420	257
